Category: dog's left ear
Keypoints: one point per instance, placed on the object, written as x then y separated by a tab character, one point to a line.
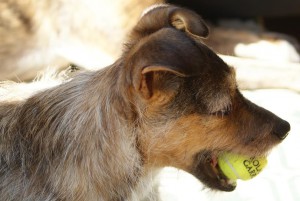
157	81
189	21
164	15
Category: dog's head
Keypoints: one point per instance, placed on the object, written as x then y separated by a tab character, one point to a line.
186	100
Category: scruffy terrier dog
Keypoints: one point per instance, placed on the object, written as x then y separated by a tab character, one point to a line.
168	101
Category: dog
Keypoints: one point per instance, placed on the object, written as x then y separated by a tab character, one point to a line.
35	35
169	100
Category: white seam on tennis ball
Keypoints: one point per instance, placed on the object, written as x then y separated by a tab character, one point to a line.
231	167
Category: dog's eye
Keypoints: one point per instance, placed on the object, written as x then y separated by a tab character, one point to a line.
223	112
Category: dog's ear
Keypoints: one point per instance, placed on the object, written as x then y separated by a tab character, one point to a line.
189	21
159	81
166	53
162	16
159	68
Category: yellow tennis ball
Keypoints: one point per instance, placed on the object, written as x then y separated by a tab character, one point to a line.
241	167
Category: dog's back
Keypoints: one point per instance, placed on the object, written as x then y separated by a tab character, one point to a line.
66	144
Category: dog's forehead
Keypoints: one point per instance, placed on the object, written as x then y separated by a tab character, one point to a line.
215	90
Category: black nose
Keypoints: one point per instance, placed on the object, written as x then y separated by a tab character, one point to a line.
282	129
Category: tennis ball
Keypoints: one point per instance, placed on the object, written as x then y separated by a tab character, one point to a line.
241	167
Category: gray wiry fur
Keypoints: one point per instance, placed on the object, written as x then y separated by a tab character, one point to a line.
69	144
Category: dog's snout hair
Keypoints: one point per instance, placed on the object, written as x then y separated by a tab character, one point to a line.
262	119
168	101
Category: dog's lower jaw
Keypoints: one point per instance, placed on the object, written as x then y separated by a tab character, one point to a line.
204	170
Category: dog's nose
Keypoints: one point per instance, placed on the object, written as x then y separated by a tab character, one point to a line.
282	129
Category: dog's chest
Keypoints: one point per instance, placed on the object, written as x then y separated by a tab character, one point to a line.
147	188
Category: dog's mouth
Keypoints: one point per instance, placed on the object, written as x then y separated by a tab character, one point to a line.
206	168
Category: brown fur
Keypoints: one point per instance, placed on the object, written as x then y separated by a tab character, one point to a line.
168	101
